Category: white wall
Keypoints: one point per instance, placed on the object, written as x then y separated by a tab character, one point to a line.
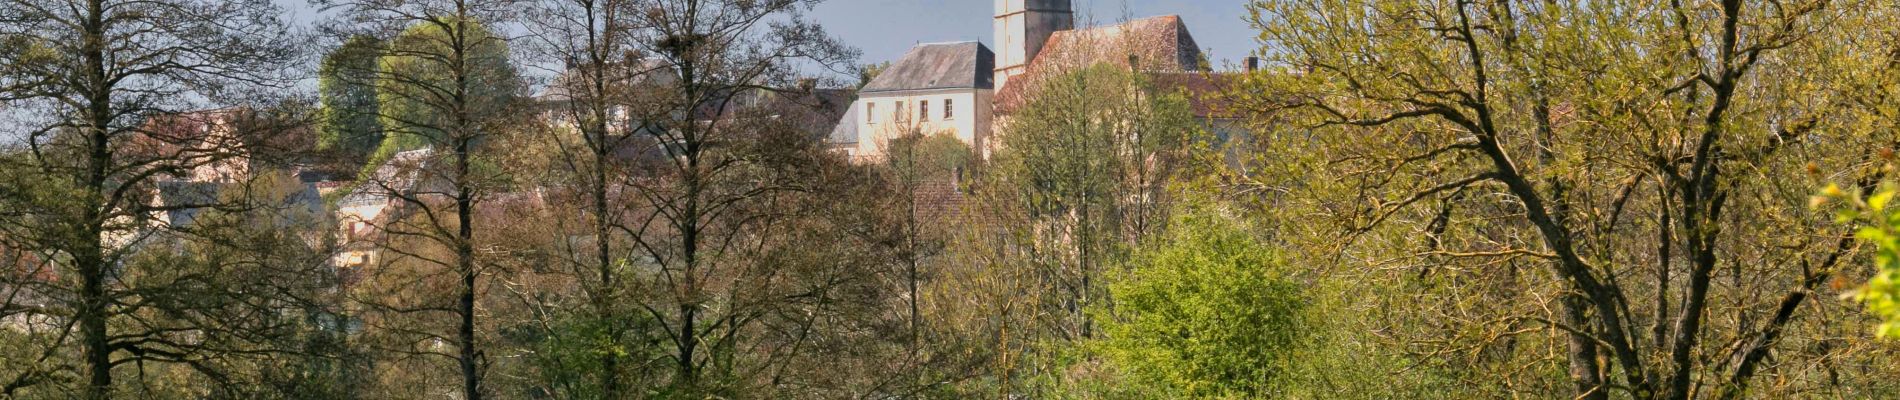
879	121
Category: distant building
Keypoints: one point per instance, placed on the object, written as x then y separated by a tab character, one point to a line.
967	90
935	89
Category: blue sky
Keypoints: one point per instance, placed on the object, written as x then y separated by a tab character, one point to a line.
884	29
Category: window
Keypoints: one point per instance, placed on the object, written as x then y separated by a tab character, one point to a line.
870	112
949	109
923	110
900	117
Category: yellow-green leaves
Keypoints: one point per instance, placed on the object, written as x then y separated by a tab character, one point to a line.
1882	293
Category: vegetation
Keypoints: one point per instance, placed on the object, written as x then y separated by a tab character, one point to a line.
1208	312
619	199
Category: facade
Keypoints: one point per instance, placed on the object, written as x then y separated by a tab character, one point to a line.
936	89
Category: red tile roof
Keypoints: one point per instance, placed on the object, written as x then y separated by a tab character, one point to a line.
1157	44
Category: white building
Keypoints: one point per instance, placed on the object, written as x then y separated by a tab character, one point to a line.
935	89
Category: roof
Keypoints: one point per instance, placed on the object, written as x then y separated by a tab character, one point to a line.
1156	44
192	196
400	173
932	66
250	132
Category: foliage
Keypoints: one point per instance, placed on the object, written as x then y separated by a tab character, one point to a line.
1480	155
1086	165
1207	311
346	87
929	157
418	91
1881	228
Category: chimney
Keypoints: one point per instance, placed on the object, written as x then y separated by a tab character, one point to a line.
1253	64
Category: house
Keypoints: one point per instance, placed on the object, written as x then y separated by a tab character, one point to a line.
362	213
221	145
935	89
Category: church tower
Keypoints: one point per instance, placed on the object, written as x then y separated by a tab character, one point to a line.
1022	27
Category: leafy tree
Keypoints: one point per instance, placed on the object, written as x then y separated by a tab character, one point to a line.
420	95
1617	173
347	89
1088	160
1206	310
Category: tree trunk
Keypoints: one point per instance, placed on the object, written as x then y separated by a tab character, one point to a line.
465	260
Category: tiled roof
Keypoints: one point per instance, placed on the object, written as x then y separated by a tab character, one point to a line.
962	65
1157	44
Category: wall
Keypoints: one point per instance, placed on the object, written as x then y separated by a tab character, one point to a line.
971	122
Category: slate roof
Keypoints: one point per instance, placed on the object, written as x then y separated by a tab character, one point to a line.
961	65
401	173
1156	44
183	193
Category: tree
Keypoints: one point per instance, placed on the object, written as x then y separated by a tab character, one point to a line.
592	97
84	83
445	87
347	89
1205	310
1640	155
749	267
1088	160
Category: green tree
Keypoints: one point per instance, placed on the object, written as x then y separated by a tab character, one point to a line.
421	95
346	88
1206	310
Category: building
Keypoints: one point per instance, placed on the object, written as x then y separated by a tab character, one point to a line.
967	90
935	89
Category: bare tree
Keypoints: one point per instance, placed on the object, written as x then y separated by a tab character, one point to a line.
85	83
590	98
446	87
711	190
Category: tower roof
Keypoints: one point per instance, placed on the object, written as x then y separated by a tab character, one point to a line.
929	66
